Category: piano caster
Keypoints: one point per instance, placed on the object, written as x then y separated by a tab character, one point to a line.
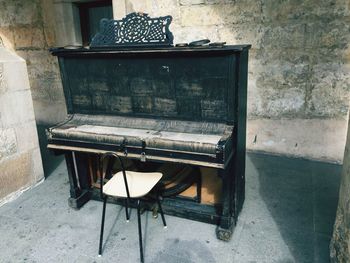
78	202
224	234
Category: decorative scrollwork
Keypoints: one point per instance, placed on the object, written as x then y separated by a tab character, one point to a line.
136	29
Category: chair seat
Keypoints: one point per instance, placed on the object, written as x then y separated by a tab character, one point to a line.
139	183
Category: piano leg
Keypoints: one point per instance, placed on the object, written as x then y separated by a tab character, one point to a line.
227	220
78	179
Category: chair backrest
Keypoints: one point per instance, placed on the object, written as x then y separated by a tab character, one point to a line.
107	162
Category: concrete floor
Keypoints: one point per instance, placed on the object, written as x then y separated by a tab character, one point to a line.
287	217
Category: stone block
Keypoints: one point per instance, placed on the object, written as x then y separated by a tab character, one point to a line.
15	75
25	12
8	142
242	34
329	55
303	10
27	136
328	34
330	92
138	6
288	102
47	88
3	81
268	57
27	37
206	15
190	33
49	24
254	101
6	34
37	165
165	7
16	173
8	56
37	60
283	75
291	35
151	7
320	139
16	108
44	76
7	12
19	12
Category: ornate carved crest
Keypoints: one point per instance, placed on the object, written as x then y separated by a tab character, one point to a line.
136	29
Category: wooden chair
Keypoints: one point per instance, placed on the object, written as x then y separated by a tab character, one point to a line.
127	185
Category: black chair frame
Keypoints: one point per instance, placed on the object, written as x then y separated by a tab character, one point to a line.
107	168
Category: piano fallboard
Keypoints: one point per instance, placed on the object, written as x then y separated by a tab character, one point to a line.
200	143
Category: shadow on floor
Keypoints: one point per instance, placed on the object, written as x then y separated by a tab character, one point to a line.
302	197
50	161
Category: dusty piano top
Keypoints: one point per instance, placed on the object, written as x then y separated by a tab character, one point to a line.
62	51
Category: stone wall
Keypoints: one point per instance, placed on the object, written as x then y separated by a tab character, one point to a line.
300	57
20	159
299	63
340	244
299	80
27	27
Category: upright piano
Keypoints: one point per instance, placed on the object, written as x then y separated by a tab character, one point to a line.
172	106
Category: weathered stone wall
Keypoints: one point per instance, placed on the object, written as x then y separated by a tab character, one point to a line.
340	244
20	159
298	72
300	58
299	65
26	26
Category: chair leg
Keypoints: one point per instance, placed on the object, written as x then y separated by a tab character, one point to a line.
161	211
102	226
140	232
126	201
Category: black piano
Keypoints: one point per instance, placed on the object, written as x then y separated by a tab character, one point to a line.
158	106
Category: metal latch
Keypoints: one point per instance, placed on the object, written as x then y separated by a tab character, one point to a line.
143	157
143	153
123	147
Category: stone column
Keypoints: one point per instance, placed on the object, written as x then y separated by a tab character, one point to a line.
340	243
20	159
